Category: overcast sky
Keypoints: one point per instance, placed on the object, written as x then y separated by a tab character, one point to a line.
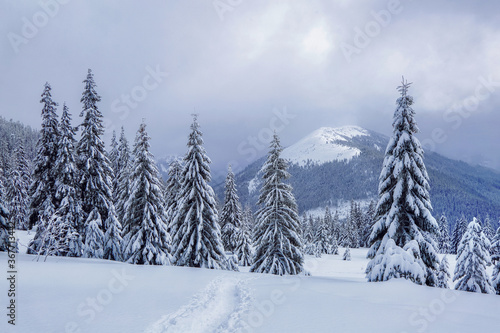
249	67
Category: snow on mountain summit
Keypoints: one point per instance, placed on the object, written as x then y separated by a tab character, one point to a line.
324	145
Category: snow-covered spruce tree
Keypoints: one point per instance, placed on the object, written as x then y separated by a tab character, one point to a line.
4	223
307	230
60	239
69	215
472	258
443	275
42	190
495	278
458	232
145	236
243	249
197	240
94	238
172	190
94	167
368	221
328	220
123	173
444	235
335	229
112	238
18	190
347	254
488	230
401	241
495	258
334	246
322	240
350	233
317	252
92	161
495	246
276	237
231	216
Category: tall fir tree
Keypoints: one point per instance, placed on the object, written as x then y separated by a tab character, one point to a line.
495	278
197	240
146	240
322	238
368	221
350	235
69	215
43	189
443	276
122	190
112	241
403	217
4	221
488	230
472	259
308	230
458	232
172	190
94	237
231	215
444	236
347	254
277	240
243	250
95	171
495	258
18	190
495	246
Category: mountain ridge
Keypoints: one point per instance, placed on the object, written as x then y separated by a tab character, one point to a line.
350	171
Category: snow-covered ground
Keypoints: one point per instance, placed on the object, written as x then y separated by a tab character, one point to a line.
84	295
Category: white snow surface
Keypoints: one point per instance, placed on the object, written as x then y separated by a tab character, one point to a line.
94	295
324	145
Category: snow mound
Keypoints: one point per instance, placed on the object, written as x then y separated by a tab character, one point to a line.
325	145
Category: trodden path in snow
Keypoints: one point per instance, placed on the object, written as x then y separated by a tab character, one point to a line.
218	308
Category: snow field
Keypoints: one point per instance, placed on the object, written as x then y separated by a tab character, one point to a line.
217	308
92	295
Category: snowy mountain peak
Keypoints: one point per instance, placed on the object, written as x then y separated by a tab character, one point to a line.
324	145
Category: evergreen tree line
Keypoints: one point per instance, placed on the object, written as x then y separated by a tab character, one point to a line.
87	202
17	151
83	201
324	234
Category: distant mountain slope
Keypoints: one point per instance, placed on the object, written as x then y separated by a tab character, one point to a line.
331	166
11	134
